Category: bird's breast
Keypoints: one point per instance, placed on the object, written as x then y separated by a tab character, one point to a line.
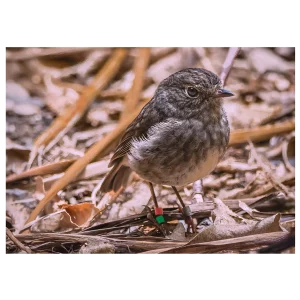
177	152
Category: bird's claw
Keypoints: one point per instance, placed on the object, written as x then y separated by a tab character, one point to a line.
190	223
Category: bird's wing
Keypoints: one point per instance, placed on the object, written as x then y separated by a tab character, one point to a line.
137	129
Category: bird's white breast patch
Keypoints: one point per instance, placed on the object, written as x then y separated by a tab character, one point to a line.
202	169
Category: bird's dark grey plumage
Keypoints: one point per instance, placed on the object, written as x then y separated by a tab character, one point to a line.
178	137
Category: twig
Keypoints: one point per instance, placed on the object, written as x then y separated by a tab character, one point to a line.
78	166
260	133
140	66
238	244
232	54
66	121
267	170
260	200
237	137
280	245
31	53
53	168
17	242
227	66
265	188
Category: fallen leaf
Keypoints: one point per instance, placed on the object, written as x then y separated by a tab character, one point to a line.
263	60
81	213
223	215
59	221
247	208
71	217
228	224
178	233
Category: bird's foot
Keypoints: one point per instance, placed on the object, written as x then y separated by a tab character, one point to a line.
187	214
190	223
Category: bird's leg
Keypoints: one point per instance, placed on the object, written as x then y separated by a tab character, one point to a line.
153	194
158	211
186	211
178	196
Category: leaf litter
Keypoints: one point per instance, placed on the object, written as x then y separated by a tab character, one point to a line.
247	204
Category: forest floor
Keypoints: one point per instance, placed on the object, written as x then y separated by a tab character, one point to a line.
66	109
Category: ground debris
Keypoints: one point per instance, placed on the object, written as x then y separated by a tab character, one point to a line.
246	205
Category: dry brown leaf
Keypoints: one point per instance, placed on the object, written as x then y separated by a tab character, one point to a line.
69	218
81	213
228	224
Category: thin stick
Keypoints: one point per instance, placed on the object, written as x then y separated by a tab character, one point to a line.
227	66
267	170
228	63
53	168
76	168
69	118
260	133
17	242
178	196
239	136
153	194
32	53
140	66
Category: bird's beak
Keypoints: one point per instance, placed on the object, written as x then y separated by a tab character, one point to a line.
223	93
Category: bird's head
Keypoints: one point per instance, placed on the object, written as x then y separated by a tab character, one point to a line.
193	88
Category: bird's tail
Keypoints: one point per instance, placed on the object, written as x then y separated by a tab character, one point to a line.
118	176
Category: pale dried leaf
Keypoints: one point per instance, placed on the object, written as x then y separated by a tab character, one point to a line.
69	218
178	233
59	221
263	60
219	232
223	215
246	208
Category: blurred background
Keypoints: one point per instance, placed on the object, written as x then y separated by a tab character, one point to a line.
45	83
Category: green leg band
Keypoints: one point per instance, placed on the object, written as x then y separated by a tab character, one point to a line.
160	219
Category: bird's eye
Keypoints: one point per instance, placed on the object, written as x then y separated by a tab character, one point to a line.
192	92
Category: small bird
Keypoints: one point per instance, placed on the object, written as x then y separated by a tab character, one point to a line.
178	137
